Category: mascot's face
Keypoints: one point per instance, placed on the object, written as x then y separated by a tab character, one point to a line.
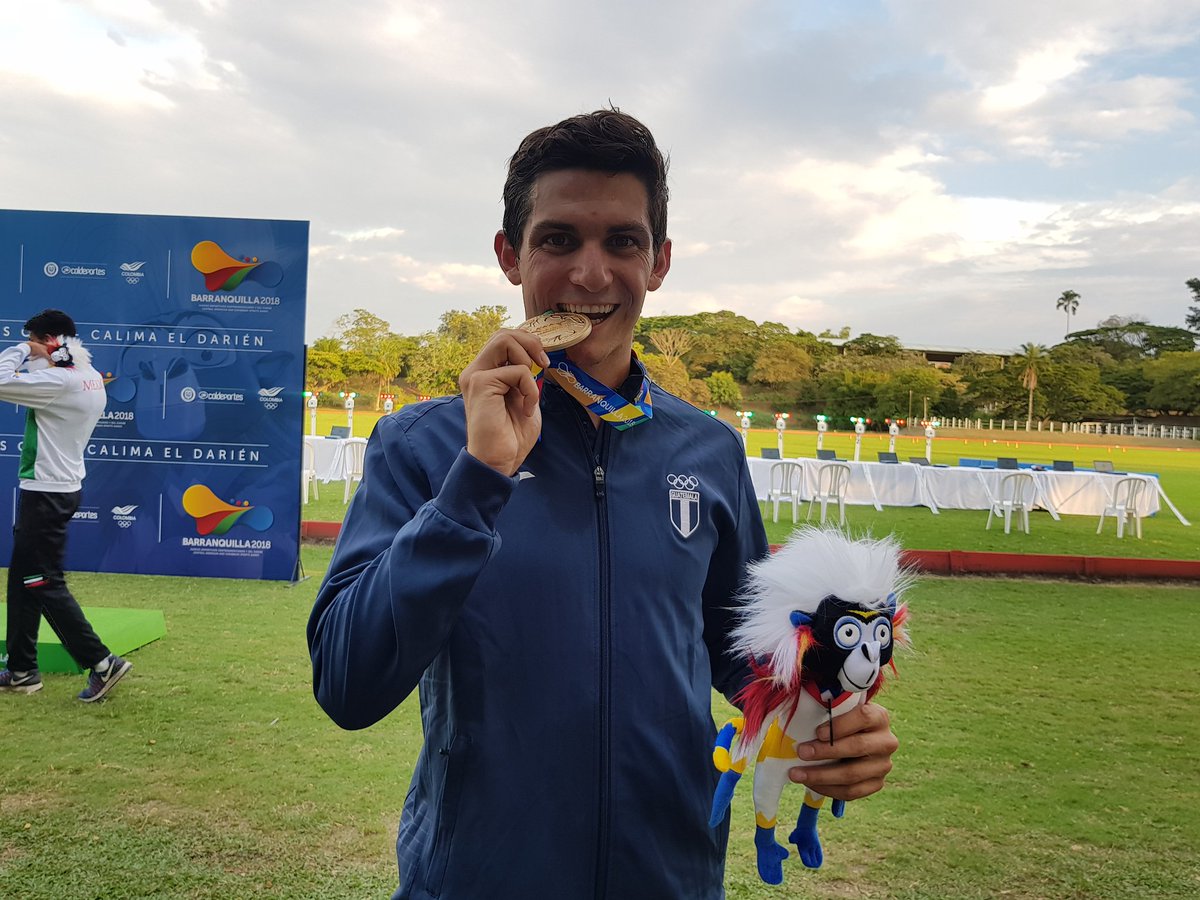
851	644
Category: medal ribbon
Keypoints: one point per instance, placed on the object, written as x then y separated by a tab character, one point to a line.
595	397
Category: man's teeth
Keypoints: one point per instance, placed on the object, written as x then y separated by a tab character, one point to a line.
588	309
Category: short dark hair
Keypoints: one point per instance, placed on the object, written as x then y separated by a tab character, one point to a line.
606	140
51	322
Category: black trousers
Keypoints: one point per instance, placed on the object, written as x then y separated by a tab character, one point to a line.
37	587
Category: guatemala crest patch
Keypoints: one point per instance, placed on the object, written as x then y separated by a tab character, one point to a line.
685	503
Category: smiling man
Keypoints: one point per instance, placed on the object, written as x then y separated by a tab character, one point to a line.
583	250
559	585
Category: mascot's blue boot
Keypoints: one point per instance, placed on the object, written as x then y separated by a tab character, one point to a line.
770	855
805	837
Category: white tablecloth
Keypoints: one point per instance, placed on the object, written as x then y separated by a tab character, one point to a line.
905	484
332	459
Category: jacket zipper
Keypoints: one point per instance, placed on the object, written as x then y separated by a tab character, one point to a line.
596	443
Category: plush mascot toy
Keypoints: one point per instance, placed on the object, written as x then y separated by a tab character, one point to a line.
820	621
63	351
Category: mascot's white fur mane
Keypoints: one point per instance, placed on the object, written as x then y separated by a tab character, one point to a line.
812	565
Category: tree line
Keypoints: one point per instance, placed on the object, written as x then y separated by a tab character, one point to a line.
1123	366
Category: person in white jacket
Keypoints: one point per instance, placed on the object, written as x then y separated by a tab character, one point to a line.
51	375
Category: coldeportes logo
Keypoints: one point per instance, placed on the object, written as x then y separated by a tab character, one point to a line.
215	516
75	270
223	272
232	395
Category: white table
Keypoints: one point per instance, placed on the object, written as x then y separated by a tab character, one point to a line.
900	488
905	484
332	459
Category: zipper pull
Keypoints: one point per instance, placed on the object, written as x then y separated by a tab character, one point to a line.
598	479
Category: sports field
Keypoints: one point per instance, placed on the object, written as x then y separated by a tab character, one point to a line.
1047	750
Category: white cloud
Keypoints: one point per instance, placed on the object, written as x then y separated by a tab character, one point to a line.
683	247
1042	78
451	277
1115	109
1036	72
893	207
795	308
369	234
118	54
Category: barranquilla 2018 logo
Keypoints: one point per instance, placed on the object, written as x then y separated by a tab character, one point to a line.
223	272
214	516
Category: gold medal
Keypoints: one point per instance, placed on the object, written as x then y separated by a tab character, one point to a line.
558	330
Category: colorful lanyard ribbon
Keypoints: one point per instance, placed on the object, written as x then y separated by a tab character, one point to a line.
595	397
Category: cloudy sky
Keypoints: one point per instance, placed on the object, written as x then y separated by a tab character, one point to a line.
941	171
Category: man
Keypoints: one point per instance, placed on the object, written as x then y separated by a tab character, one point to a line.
558	587
65	397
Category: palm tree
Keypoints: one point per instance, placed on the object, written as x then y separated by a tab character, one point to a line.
1069	301
1031	359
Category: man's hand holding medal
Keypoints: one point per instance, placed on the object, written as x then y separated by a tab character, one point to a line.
500	391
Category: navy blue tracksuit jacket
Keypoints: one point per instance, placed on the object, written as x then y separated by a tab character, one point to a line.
563	628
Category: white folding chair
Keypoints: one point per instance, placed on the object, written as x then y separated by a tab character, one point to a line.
1017	492
356	452
832	481
1123	506
308	473
786	478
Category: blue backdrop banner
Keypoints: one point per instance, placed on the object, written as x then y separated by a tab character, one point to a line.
197	326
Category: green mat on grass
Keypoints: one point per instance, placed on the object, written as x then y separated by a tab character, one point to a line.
122	630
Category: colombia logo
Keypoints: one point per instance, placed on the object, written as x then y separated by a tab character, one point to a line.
215	516
224	273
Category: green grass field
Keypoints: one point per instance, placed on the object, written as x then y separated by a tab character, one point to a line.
1178	467
1047	750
